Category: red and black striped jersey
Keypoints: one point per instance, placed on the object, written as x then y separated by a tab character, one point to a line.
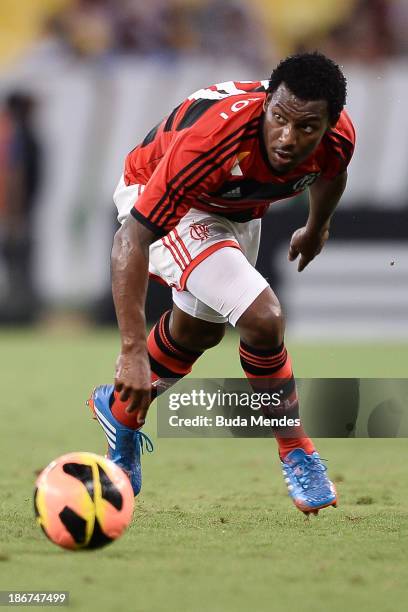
209	154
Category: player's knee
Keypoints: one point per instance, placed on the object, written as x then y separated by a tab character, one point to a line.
197	335
264	326
211	337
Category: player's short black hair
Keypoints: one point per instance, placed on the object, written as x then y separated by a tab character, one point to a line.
312	76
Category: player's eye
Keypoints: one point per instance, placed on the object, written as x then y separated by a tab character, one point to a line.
278	117
309	129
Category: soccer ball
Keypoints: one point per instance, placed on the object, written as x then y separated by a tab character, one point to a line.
83	501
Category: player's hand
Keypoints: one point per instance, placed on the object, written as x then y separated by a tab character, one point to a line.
133	382
307	244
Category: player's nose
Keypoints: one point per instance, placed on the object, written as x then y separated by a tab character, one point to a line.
287	138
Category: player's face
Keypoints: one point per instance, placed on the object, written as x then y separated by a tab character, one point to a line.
292	128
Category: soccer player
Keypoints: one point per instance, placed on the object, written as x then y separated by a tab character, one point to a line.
190	202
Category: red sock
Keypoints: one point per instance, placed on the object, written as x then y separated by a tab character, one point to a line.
168	360
118	409
270	370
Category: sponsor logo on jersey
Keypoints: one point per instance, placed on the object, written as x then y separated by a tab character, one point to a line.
236	170
305	181
199	231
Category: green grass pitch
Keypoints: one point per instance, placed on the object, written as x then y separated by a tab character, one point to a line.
213	529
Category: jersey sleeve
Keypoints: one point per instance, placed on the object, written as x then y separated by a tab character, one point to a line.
339	143
191	165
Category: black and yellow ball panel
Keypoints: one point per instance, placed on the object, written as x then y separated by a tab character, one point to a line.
87	531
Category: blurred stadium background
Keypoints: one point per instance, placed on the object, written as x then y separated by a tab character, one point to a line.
82	81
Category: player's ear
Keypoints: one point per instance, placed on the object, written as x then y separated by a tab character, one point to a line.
267	101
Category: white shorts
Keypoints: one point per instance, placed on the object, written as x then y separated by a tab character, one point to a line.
223	287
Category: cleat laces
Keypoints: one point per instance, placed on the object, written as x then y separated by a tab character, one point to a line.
311	473
144	442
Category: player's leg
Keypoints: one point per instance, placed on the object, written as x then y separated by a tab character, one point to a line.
266	363
229	284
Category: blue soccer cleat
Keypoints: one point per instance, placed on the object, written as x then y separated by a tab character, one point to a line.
124	444
307	481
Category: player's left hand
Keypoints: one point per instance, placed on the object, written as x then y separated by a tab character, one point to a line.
307	244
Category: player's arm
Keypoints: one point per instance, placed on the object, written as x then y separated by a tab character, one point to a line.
308	241
130	257
324	195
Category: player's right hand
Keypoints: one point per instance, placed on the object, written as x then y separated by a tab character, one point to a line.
133	382
307	244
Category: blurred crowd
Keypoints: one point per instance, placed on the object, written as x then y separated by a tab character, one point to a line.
20	170
374	30
158	29
254	32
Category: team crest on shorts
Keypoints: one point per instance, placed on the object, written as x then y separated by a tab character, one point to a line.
199	231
